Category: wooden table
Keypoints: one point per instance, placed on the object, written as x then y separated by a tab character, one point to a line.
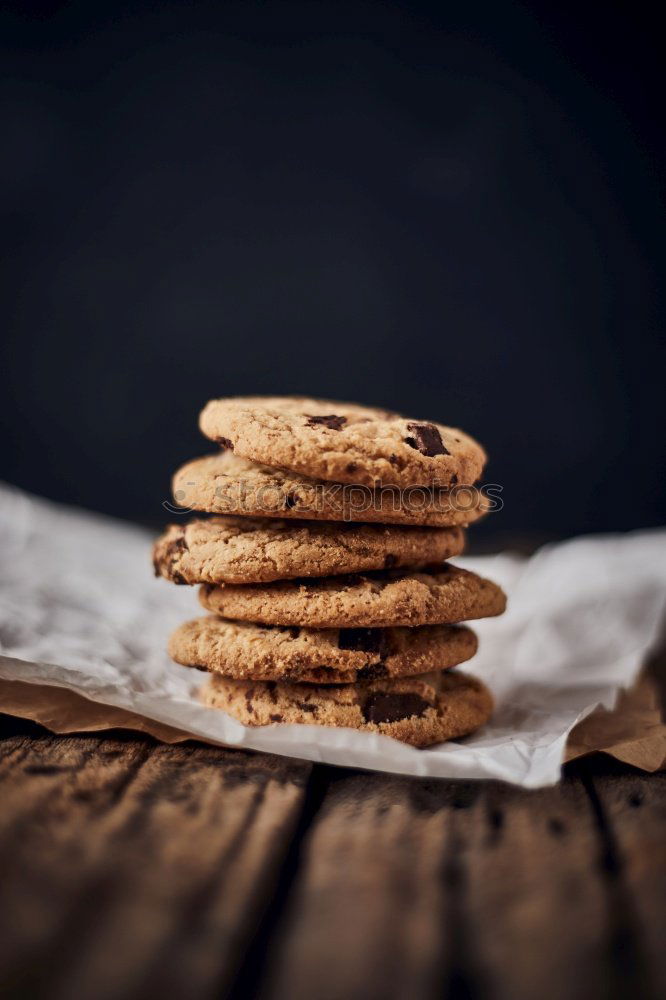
132	869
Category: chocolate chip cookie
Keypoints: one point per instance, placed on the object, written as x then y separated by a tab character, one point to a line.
319	656
343	442
259	550
418	711
225	483
394	597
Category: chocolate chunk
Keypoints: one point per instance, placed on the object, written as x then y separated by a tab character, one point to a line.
291	500
270	688
332	422
372	672
294	631
276	718
225	443
174	550
321	673
441	568
384	706
427	440
303	705
363	640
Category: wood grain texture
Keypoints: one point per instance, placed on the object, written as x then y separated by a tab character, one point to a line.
534	902
450	889
132	869
631	814
371	875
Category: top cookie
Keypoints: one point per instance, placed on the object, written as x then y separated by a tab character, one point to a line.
343	442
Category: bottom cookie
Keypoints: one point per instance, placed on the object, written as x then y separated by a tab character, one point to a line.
417	710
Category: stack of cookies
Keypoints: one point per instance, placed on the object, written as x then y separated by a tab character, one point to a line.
323	568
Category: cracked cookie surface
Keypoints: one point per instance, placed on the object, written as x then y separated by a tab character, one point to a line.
394	597
420	711
225	483
319	656
343	442
259	550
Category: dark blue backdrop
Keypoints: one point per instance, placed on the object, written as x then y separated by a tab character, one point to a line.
450	210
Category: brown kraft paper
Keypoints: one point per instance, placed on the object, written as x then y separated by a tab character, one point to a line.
633	732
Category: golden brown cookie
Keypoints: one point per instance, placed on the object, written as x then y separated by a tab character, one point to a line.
319	656
343	442
247	550
393	597
225	483
419	711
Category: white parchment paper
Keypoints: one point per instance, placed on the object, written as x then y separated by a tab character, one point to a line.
80	608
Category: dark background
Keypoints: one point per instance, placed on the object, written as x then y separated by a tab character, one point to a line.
450	210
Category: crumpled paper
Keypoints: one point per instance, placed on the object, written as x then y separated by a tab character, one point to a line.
81	611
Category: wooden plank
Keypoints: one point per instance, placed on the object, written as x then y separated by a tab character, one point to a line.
131	869
415	889
534	899
631	812
367	911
